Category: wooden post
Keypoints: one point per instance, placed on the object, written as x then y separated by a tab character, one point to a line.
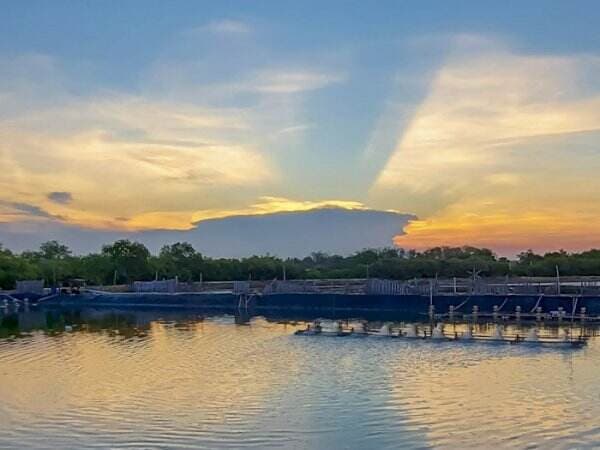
430	293
557	280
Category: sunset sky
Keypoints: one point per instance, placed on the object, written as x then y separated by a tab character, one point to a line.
479	119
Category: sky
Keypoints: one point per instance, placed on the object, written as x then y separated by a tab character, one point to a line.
445	123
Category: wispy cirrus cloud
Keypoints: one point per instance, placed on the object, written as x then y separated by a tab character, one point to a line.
290	81
227	26
295	129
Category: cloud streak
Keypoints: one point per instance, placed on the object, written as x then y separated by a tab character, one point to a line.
12	211
501	142
290	81
227	26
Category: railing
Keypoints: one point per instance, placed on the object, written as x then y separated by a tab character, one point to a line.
568	286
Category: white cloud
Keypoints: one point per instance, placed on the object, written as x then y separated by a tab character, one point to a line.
121	154
188	139
295	129
285	81
227	26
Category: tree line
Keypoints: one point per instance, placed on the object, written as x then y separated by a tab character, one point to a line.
125	261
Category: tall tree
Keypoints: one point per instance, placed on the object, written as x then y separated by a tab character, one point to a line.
179	259
54	250
130	259
53	261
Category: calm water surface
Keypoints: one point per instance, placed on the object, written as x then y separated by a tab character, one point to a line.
150	380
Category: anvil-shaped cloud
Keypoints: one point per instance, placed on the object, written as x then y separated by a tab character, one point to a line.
295	233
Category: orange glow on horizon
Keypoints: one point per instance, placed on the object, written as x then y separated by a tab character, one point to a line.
503	233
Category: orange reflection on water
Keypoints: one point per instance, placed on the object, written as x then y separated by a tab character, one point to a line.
202	367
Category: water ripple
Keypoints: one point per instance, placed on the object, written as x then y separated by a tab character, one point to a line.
144	383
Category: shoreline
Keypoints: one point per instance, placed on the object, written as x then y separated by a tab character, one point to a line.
498	306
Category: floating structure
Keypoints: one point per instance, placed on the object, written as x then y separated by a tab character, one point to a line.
529	286
499	300
436	333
